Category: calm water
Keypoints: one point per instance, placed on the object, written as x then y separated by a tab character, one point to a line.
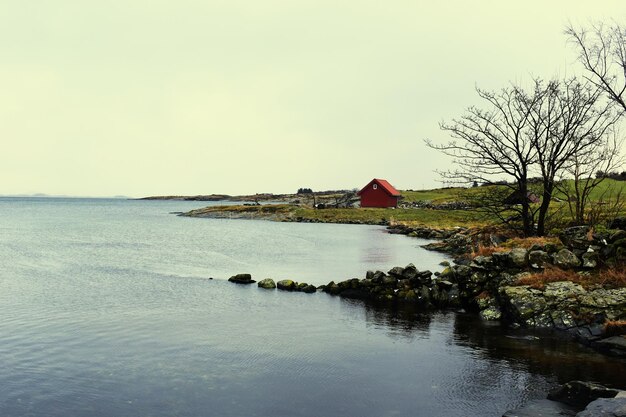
106	309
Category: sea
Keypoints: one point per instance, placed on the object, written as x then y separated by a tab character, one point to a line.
114	307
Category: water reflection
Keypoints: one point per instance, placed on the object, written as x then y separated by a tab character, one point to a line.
403	321
519	354
545	353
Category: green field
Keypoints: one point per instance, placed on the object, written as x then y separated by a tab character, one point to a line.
435	218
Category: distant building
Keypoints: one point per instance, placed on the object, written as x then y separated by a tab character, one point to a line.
379	193
516	198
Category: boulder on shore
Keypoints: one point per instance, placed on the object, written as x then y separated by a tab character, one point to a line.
242	279
267	283
286	285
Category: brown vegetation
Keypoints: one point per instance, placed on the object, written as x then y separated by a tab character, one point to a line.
528	242
614	277
615	327
551	274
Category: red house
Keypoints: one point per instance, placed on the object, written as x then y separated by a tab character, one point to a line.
379	193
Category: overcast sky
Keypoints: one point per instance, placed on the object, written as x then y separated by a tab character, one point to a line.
145	97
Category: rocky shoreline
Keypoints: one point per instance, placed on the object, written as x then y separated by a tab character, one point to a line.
494	288
576	399
500	287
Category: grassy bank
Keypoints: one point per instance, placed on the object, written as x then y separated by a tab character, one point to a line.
414	216
289	212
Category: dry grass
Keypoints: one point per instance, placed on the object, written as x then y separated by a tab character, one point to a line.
486	251
527	242
550	274
611	278
483	295
615	327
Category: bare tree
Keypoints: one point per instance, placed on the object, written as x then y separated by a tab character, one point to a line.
578	181
495	143
570	122
602	51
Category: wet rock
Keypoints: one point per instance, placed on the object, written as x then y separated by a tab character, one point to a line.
409	272
566	259
377	277
286	285
615	345
267	283
242	279
447	273
580	393
308	288
389	281
462	271
605	407
332	288
524	304
491	313
396	271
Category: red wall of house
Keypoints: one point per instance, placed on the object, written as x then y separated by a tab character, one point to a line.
371	197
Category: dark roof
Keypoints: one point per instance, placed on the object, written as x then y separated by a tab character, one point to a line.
516	198
384	184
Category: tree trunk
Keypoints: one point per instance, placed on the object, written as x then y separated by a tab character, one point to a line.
546	198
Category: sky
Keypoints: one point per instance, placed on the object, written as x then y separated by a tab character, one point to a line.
186	97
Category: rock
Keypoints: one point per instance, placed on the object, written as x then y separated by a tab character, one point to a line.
618	235
389	281
267	283
590	260
519	257
482	262
396	271
538	258
409	272
462	271
542	408
378	276
309	289
615	345
332	288
286	285
444	263
576	237
491	313
579	393
566	259
618	223
562	292
424	277
242	279
523	303
605	407
447	273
